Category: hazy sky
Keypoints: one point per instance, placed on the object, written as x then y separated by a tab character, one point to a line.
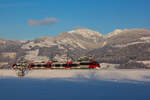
29	19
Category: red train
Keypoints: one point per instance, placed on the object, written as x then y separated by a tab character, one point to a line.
57	65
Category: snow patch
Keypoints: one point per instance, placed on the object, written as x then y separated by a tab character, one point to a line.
2	41
145	38
33	56
71	42
146	62
60	47
81	46
116	32
128	44
44	43
123	75
85	33
105	43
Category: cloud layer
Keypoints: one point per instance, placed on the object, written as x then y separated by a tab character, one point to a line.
46	21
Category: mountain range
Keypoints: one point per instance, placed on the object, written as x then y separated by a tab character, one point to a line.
129	47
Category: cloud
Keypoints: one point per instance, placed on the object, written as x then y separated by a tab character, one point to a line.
46	21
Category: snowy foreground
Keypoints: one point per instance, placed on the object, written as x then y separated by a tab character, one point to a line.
124	75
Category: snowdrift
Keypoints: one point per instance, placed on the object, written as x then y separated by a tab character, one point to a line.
124	75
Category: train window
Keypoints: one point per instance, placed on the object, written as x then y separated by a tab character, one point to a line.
48	65
85	63
64	65
69	65
57	65
74	65
45	65
38	65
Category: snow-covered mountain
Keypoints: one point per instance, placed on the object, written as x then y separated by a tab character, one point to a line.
75	38
122	37
76	42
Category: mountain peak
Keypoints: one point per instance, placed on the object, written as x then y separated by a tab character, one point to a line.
115	32
85	32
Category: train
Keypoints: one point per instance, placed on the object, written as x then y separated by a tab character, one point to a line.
80	64
57	65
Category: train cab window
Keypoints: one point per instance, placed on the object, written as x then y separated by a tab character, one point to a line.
95	63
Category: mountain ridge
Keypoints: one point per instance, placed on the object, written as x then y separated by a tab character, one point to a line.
115	47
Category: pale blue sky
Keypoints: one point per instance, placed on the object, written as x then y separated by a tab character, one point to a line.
63	15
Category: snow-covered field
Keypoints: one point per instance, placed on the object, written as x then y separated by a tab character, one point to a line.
125	75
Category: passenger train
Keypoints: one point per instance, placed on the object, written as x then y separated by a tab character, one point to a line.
80	64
